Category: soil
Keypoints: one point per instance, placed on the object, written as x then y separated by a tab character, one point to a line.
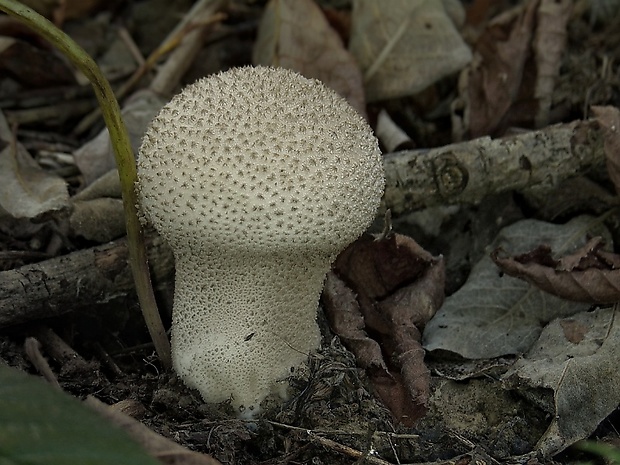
331	406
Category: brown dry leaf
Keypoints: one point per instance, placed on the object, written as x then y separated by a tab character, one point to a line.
295	34
609	118
404	46
495	75
347	321
339	20
574	331
549	44
579	194
32	66
589	275
389	288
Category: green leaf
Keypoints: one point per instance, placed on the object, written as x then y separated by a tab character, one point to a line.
609	452
39	425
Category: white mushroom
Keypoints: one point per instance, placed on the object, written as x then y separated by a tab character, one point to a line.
257	178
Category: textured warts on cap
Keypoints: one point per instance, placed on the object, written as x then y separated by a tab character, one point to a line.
257	178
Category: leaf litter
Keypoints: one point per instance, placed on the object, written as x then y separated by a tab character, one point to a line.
575	358
492	314
588	275
295	34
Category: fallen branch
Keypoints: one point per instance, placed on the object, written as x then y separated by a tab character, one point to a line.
467	172
87	278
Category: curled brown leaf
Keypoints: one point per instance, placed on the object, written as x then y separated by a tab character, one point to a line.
496	73
379	297
589	275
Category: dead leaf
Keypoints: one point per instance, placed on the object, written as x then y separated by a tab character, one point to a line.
582	375
101	220
609	118
495	75
346	320
339	20
26	190
388	288
588	275
404	46
478	12
493	315
295	34
96	157
578	194
97	211
574	331
549	44
108	185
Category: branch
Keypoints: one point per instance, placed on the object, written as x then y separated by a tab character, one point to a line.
86	279
467	172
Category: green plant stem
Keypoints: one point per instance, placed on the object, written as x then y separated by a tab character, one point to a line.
124	160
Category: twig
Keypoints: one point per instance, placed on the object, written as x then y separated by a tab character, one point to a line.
366	457
62	352
32	347
180	59
60	111
96	277
165	450
133	48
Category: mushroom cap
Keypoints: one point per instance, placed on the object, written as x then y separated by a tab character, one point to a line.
257	156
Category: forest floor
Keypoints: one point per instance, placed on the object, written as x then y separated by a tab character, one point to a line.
499	123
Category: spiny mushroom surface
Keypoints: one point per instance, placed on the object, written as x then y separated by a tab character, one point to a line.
257	178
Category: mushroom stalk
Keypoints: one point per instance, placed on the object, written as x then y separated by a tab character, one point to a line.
242	317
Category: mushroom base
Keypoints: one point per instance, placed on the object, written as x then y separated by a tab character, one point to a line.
243	323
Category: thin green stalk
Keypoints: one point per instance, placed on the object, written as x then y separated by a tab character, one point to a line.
124	160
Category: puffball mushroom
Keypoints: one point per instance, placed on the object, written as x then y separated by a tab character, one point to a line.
257	178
